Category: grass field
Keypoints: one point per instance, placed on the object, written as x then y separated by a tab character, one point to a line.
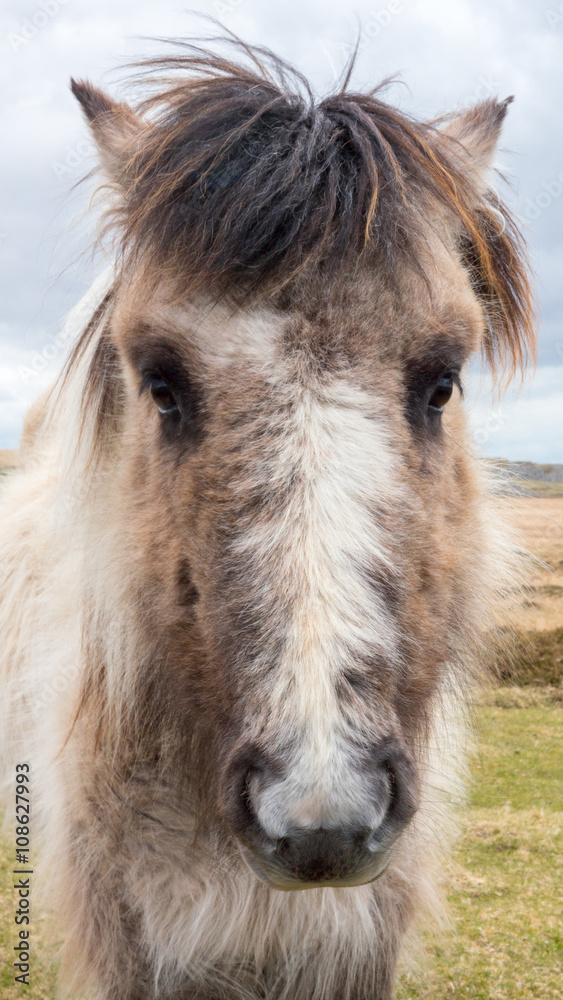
506	936
506	896
506	939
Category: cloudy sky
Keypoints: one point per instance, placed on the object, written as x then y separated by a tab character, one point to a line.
449	53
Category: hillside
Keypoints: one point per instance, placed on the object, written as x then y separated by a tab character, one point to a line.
532	470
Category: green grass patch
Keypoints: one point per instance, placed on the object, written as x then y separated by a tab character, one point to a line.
519	763
43	968
506	940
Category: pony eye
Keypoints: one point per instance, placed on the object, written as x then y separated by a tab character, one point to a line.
442	392
177	397
162	395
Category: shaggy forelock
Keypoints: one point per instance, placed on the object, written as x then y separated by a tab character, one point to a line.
240	181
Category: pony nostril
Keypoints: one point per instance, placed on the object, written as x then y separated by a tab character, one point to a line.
399	791
247	795
238	798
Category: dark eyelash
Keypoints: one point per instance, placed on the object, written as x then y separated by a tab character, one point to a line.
146	381
150	375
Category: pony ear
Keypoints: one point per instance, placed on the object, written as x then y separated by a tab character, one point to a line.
115	128
491	245
476	133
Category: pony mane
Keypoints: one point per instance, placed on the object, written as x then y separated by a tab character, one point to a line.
240	182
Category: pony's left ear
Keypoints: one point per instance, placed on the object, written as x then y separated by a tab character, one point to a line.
476	133
490	242
115	127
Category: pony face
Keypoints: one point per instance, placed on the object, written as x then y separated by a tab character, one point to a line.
284	361
302	511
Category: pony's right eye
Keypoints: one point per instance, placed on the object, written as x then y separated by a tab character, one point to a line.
176	394
162	394
442	393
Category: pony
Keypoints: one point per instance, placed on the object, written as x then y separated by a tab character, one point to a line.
251	567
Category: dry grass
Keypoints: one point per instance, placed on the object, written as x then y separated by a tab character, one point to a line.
540	488
539	522
537	654
8	458
522	697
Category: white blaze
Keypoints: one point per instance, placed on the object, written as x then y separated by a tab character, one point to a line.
318	547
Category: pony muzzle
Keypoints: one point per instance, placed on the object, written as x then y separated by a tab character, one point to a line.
311	859
328	850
